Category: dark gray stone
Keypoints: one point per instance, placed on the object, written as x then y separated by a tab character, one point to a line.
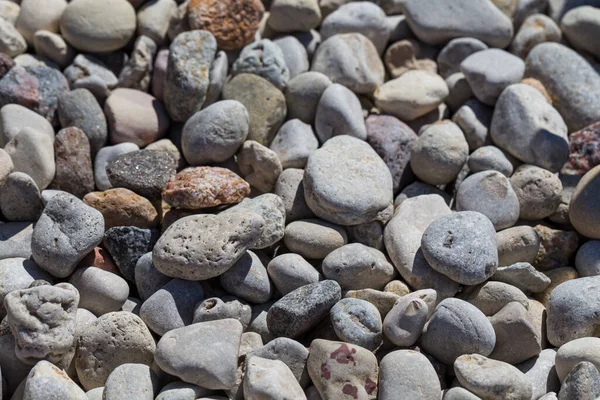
126	244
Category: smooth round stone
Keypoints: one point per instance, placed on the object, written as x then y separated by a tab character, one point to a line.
536	29
100	291
153	19
45	380
263	58
291	271
357	322
584	212
66	231
302	95
210	251
83	25
172	306
523	276
572	353
12	43
572	310
215	133
294	54
104	156
136	117
491	379
293	143
216	308
38	15
18	273
294	15
339	113
302	309
9	10
180	390
398	374
112	340
576	95
212	365
347	199
314	238
581	25
264	102
74	173
291	353
411	95
54	47
248	279
122	207
489	72
457	328
270	378
582	382
492	296
32	153
369	234
134	381
474	119
404	323
538	137
20	198
290	188
356	266
259	165
462	246
517	244
488	158
491	194
439	153
455	51
435	23
190	57
538	190
459	91
148	279
14	118
587	261
350	59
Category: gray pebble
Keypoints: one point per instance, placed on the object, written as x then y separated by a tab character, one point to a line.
153	19
314	238
32	152
291	15
410	373
100	291
18	273
15	239
474	119
290	271
347	199
358	322
418	189
88	72
492	296
147	278
212	365
459	393
490	193
259	165
542	373
570	80
518	244
46	381
215	133
248	279
291	353
66	231
575	351
356	266
370	234
490	158
404	323
14	117
290	188
190	57
271	379
216	308
350	59
20	198
339	113
581	26
172	306
131	381
126	244
457	328
462	246
294	55
303	93
587	261
536	28
455	51
265	59
180	390
302	309
523	276
104	156
293	143
137	72
218	76
538	190
583	382
489	72
459	91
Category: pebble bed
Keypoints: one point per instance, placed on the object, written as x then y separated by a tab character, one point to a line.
299	200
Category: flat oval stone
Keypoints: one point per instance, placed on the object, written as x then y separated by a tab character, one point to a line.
410	373
342	198
291	271
584	212
581	25
314	238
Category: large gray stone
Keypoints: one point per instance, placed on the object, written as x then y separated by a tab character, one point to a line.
410	373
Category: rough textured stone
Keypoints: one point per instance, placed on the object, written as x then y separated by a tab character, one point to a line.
259	165
74	173
557	247
538	190
263	58
584	150
126	244
523	276
136	73
122	207
357	322
106	155
583	382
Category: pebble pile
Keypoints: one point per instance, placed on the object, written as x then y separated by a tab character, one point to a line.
299	200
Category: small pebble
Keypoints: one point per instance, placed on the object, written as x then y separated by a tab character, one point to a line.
583	382
134	381
538	190
580	25
293	143
474	119
523	276
397	374
314	238
357	322
263	58
100	291
294	55
122	207
454	53
291	271
216	308
404	323
20	198
292	15
339	113
583	211
104	156
259	165
265	378
32	152
248	279
74	173
536	29
488	158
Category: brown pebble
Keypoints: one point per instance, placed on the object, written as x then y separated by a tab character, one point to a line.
74	173
122	207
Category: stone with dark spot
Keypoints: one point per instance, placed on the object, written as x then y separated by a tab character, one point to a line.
582	383
74	173
126	244
584	150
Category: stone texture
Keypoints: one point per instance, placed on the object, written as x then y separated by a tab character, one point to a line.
410	373
122	207
583	211
127	244
339	113
20	198
259	165
74	173
32	152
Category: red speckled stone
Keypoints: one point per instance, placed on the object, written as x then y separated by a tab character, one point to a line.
584	150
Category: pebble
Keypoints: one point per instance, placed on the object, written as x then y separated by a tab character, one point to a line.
248	279
202	187
190	57
291	271
172	306
122	207
271	208
302	95
587	260
100	291
292	15
488	158
88	72
542	373
83	25
314	238
216	308
492	296
147	278
302	309
339	113
290	188
66	231
259	165
42	321
517	244
492	379
6	166
293	143
583	155
536	29
574	352
412	95
74	173
265	104
215	133
337	368
45	380
137	71
233	23
265	378
104	156
38	15
455	51
580	25
263	58
356	266
474	119
12	43
459	91
18	273
14	118
32	152
397	375
180	390
401	57
583	382
126	244
290	352
370	234
20	198
350	59
15	239
212	367
357	322
134	381
221	241
9	11
294	55
548	61
153	19
557	276
524	276
583	212
404	323
333	197
435	24
538	190
439	153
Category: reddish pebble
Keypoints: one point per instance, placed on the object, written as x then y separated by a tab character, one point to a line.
584	150
100	258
